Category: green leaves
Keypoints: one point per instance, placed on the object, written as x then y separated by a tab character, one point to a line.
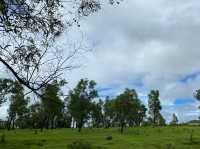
80	99
154	106
2	7
197	94
6	87
20	2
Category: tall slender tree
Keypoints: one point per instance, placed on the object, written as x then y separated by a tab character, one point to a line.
97	114
174	119
154	106
109	112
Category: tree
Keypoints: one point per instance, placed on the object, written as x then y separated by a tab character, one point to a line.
96	114
18	107
124	107
154	106
29	31
109	112
5	88
36	116
197	95
138	112
52	104
174	119
161	120
80	99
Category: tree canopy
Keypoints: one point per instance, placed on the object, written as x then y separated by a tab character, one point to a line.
154	106
28	35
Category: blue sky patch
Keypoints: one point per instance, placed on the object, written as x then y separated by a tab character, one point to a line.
183	101
189	77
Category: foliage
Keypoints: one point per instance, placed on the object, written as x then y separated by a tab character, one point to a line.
97	114
129	109
161	121
154	106
5	88
51	103
29	31
80	99
17	112
197	94
174	119
109	112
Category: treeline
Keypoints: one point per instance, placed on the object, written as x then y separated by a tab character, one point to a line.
80	108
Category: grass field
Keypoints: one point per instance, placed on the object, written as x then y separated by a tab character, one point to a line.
133	138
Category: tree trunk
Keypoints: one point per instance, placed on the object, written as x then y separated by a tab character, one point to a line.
80	125
9	124
13	124
79	129
122	128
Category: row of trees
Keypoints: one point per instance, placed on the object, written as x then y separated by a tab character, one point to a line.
80	108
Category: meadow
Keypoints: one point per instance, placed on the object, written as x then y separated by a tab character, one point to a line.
184	137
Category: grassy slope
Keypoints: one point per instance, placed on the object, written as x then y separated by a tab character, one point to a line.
133	138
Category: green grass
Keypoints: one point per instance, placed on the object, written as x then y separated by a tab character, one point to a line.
133	138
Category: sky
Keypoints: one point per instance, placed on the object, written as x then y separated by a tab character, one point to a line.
143	45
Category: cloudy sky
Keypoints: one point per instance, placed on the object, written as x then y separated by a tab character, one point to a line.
144	45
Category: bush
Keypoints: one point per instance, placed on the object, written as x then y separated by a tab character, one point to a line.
109	137
2	138
79	145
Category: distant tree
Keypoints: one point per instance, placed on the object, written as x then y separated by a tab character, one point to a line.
97	114
80	99
138	112
52	105
161	120
197	96
154	106
109	112
64	121
36	116
125	107
174	120
140	115
18	106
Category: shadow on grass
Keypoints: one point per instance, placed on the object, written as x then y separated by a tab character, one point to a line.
194	142
34	142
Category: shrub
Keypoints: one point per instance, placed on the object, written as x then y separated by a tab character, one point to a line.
109	137
2	138
79	145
